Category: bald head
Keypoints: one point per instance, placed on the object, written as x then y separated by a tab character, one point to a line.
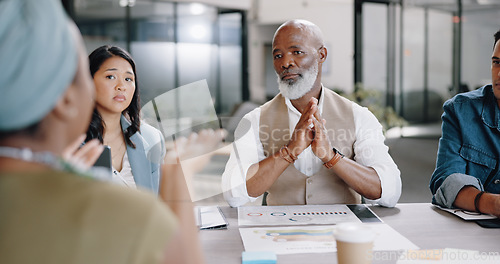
302	28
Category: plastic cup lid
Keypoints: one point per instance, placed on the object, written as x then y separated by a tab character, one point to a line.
354	233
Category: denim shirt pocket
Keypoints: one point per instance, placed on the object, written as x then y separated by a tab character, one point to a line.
479	163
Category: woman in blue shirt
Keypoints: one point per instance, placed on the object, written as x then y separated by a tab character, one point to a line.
137	149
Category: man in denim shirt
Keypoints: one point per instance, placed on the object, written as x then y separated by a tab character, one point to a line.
467	173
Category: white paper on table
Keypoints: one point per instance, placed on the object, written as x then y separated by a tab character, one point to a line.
467	215
210	217
295	215
315	239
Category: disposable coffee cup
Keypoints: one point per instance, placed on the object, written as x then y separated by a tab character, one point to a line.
354	243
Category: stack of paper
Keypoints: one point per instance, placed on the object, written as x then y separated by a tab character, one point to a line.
210	217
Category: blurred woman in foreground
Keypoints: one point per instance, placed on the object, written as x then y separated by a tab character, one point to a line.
51	212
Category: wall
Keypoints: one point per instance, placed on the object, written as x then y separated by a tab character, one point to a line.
477	48
334	17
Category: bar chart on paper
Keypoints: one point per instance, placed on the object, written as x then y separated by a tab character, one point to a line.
295	215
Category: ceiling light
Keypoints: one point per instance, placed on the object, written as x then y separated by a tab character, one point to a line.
197	8
124	3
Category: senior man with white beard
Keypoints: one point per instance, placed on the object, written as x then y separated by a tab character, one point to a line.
308	145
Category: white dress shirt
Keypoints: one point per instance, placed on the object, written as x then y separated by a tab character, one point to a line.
369	150
124	176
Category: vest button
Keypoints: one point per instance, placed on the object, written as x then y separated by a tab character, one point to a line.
497	181
309	181
309	196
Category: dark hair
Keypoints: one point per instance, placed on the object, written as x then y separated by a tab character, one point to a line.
96	128
497	37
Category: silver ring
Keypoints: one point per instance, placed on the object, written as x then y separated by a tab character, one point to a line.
311	126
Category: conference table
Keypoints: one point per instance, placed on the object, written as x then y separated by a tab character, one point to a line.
422	223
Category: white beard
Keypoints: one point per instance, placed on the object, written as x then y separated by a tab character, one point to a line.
303	84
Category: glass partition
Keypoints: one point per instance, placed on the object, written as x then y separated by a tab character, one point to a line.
423	52
375	48
173	44
427	63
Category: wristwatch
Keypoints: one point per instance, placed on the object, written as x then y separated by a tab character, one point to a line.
338	155
338	152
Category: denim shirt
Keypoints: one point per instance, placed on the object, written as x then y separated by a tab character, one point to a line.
469	147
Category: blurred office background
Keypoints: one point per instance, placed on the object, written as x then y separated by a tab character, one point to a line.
409	55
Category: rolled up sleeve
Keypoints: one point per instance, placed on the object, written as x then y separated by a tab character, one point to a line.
246	151
450	176
447	192
371	151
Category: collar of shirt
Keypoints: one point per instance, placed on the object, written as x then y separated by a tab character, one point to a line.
295	111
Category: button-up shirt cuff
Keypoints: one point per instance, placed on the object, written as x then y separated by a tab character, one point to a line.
390	182
237	195
448	191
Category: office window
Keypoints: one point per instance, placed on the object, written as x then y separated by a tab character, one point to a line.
173	44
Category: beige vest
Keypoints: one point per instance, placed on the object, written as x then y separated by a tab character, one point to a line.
293	187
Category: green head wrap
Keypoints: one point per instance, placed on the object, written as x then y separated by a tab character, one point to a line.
38	60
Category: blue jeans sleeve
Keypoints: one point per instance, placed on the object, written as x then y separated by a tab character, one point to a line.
447	192
448	157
